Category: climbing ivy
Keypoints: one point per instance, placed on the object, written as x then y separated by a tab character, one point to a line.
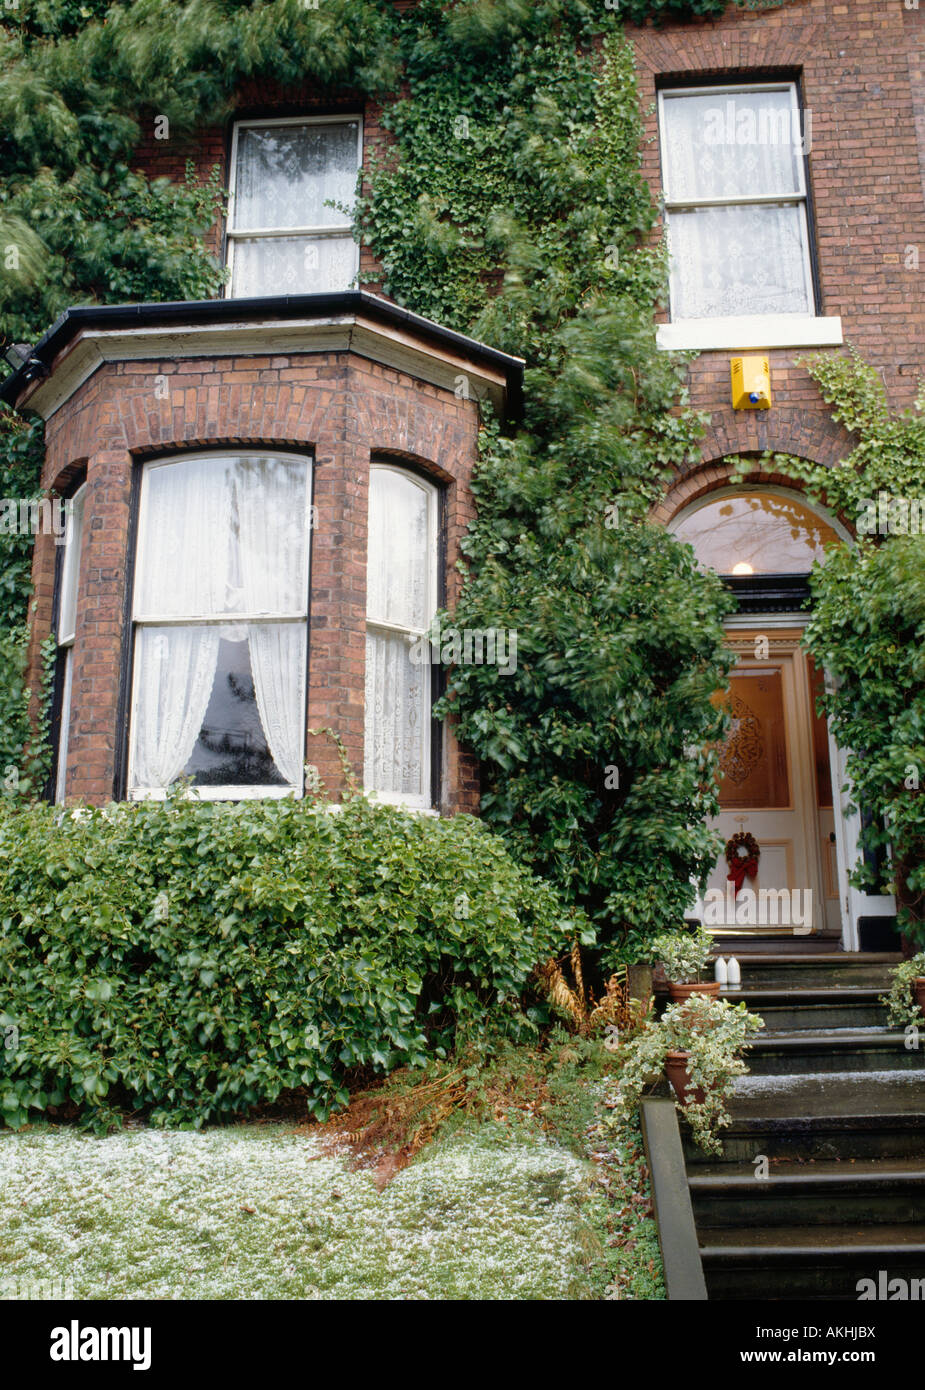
867	629
521	172
510	205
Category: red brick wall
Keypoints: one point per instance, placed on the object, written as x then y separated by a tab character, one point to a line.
861	69
346	409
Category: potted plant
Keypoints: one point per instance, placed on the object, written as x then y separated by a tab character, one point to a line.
684	955
699	1042
906	999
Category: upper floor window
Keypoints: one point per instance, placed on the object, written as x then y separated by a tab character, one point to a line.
290	181
221	615
67	628
733	171
402	599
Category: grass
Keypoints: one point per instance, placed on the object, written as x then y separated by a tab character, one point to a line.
521	1191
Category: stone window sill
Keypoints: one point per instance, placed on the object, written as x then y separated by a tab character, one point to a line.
750	331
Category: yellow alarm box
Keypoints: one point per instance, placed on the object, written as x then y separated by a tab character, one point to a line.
751	383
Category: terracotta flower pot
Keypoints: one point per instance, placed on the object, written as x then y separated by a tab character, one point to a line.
676	1071
679	992
918	989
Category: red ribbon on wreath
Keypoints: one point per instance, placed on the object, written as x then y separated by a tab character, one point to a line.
742	865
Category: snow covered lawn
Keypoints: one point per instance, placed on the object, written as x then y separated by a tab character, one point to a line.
260	1212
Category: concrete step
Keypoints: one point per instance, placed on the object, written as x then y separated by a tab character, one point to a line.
805	1050
872	1192
813	1018
801	977
837	1115
791	1262
788	1009
810	959
782	944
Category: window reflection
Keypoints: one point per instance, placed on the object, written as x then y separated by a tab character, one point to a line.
756	533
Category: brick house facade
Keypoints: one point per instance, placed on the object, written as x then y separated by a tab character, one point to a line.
350	380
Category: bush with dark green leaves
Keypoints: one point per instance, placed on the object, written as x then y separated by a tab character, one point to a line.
190	961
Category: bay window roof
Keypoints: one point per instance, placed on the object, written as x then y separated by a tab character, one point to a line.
349	320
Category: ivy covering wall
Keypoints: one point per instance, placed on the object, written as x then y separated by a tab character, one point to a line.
511	207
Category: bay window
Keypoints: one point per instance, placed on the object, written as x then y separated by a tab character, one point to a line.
734	181
288	232
220	612
402	599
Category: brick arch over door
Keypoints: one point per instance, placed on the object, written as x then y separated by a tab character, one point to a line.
811	438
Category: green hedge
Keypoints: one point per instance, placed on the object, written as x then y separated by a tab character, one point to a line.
189	961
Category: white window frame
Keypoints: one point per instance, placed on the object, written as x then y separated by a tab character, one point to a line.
750	330
70	574
412	634
229	792
233	234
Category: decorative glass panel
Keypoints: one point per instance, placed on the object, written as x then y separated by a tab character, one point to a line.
756	533
287	174
753	758
293	265
739	260
820	736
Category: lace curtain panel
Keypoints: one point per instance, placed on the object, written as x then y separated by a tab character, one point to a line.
285	175
745	259
293	265
400	593
738	260
397	717
399	552
220	536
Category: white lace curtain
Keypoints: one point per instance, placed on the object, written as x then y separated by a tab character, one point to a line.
220	536
739	258
285	177
400	606
286	174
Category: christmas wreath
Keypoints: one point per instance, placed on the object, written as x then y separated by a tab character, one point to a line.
742	855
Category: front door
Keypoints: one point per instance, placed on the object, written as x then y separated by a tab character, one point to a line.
775	789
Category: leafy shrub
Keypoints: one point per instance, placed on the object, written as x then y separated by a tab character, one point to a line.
902	1008
867	631
714	1034
192	960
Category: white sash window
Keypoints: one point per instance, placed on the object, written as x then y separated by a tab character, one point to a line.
67	624
220	613
734	180
291	181
402	599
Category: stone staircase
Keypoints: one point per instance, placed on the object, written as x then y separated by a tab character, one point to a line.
833	1111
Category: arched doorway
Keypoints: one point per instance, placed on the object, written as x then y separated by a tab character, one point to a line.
777	788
